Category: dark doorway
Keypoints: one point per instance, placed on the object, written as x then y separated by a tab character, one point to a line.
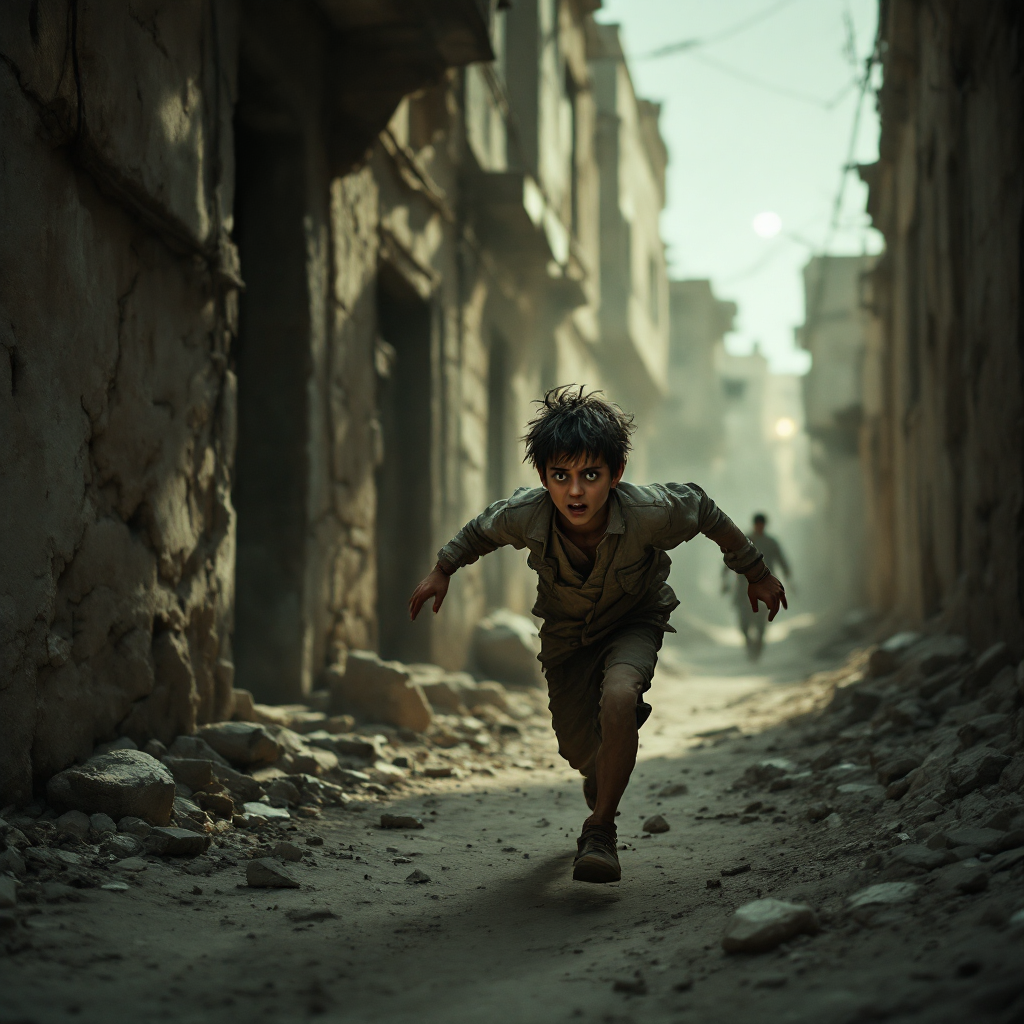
404	492
271	358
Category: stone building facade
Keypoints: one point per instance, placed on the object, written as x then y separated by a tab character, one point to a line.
942	439
277	286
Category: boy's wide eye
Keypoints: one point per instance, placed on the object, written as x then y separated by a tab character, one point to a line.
591	475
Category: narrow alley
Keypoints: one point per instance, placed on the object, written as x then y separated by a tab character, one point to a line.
474	916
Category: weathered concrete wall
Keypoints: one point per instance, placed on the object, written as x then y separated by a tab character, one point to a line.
116	408
943	441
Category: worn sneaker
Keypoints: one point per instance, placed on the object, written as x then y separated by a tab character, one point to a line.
596	859
590	790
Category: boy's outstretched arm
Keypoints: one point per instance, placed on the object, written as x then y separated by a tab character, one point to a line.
761	584
433	586
500	524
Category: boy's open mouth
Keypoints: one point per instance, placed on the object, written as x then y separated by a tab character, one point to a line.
576	508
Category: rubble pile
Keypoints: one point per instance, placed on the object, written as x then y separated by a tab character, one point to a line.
236	790
912	766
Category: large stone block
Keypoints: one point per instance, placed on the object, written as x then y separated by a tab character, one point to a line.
120	784
379	691
242	743
505	647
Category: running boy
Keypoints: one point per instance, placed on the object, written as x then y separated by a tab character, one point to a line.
598	546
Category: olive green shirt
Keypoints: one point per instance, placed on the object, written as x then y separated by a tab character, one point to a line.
625	585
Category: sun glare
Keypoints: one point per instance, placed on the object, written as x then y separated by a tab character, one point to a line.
767	224
785	427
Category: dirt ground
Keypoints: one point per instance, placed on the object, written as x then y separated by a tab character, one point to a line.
500	932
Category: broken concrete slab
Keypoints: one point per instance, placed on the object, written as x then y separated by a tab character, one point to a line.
176	842
266	873
764	924
379	691
123	782
192	771
242	743
266	811
505	648
884	894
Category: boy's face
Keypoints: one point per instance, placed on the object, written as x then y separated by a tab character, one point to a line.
579	487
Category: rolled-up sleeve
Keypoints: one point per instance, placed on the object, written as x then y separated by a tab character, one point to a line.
690	511
498	525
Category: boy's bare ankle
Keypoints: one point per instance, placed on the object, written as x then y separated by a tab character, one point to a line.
600	822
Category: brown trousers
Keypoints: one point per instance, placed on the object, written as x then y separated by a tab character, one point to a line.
626	657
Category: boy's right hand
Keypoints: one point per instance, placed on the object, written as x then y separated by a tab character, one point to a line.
434	586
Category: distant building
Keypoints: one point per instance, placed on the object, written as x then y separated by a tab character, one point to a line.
690	421
837	331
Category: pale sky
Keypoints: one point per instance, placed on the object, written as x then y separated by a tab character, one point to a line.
748	132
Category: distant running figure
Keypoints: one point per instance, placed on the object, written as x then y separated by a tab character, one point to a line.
753	622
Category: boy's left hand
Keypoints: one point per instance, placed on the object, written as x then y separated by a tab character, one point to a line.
771	591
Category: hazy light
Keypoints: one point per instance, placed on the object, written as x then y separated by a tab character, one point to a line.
785	427
767	224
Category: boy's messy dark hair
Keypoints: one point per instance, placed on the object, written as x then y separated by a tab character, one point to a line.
573	424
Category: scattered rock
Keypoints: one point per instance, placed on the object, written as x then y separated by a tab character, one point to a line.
219	804
920	857
242	743
116	886
131	864
974	769
982	728
176	842
985	668
967	876
818	811
266	812
987	840
884	894
195	748
241	787
713	883
417	877
13	862
101	824
737	869
379	691
674	789
889	655
439	772
764	924
242	706
897	768
121	846
134	827
75	822
288	851
193	772
400	821
123	782
656	824
505	647
266	873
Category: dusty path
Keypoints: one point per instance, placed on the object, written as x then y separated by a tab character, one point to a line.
501	933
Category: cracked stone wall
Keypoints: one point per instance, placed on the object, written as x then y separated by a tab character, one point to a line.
116	408
942	442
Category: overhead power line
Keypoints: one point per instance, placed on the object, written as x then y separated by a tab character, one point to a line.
779	90
685	45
